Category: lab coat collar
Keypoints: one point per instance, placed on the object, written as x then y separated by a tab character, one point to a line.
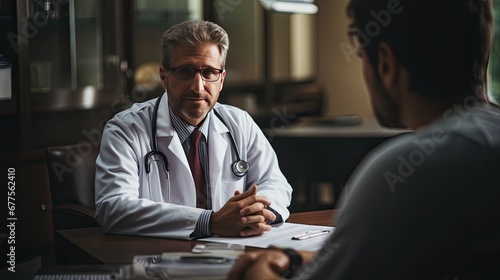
215	122
164	123
217	145
164	127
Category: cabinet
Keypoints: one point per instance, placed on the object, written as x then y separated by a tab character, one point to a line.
324	157
66	82
66	60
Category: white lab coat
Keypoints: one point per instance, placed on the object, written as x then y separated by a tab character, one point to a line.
128	201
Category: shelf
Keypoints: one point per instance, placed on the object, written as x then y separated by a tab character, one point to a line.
67	100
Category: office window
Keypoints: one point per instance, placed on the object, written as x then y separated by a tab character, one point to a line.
495	57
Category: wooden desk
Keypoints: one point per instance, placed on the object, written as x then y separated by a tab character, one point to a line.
93	246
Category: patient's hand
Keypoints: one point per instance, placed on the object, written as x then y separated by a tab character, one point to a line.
261	264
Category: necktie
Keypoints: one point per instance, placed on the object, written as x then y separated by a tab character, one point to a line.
197	170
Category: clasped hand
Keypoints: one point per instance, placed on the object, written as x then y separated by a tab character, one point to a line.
245	214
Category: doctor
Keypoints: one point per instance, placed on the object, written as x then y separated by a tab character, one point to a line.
151	177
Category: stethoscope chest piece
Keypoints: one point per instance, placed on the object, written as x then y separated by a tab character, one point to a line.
240	168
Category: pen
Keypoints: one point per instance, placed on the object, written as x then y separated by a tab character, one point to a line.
310	234
204	259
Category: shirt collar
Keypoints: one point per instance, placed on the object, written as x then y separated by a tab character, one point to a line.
184	129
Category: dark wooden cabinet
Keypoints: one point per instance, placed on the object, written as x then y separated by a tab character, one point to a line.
66	83
318	158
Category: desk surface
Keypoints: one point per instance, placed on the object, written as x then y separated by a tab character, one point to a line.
93	246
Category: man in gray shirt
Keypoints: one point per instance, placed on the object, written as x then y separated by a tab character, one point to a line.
423	205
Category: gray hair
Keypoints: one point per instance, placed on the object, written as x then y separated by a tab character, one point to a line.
193	33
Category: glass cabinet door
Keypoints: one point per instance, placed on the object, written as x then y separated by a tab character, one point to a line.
284	44
66	50
293	47
85	49
244	23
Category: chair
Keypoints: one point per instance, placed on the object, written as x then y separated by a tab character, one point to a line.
71	176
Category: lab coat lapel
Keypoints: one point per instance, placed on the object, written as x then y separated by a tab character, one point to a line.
166	131
183	191
217	149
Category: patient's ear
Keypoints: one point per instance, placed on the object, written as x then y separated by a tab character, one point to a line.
388	66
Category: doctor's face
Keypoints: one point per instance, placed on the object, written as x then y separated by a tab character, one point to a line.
192	99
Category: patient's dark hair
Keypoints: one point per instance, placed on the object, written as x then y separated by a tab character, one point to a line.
444	44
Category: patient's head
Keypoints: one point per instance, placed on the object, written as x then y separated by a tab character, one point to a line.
443	44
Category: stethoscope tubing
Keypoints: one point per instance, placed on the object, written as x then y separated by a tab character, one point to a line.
239	167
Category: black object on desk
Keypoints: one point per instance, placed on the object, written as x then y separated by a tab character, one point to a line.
84	272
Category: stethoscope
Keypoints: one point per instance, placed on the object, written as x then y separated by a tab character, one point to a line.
239	167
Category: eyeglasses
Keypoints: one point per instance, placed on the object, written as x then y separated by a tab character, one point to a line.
208	74
353	36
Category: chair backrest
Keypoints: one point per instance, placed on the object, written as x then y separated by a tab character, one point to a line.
71	172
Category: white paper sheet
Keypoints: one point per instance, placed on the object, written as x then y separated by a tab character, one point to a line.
280	236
